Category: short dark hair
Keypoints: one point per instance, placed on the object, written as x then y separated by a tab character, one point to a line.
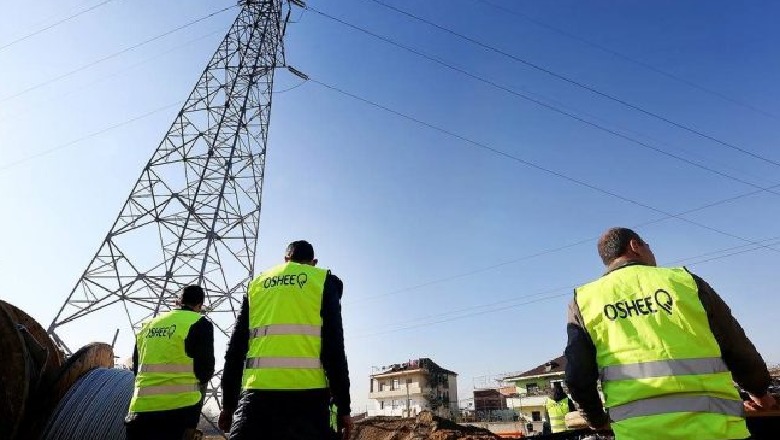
614	243
300	251
192	296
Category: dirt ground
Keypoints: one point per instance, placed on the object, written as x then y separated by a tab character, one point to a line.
423	427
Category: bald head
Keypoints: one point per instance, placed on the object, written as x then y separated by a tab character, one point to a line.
623	244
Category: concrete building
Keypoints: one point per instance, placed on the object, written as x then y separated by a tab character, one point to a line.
533	387
404	390
490	404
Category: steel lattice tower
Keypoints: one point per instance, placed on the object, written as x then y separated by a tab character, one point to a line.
193	215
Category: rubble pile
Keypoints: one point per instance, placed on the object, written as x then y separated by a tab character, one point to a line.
425	426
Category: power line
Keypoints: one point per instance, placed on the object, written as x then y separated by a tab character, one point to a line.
119	72
712	256
552	250
568	291
580	84
529	164
116	54
55	24
627	58
541	103
88	136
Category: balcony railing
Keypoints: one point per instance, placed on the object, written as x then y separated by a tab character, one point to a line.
399	392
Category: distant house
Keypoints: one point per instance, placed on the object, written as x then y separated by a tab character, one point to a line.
406	389
490	404
533	387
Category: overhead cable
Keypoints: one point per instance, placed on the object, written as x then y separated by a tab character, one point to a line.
530	164
12	164
55	24
114	55
116	73
553	250
627	58
543	104
561	292
581	85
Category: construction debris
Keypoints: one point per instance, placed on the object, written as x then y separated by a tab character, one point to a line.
425	426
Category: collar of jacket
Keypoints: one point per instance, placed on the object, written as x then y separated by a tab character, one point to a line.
617	265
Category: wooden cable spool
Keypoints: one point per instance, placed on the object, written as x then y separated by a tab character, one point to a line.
57	384
15	372
53	357
87	358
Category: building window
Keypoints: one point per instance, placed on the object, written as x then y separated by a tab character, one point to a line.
395	405
408	381
396	385
531	388
381	404
536	416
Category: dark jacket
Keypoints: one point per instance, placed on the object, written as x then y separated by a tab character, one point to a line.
334	360
739	354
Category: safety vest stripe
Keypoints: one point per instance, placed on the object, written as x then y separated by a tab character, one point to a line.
286	329
167	389
166	368
671	367
283	362
663	405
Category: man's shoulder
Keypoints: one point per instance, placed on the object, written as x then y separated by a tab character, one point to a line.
332	278
203	324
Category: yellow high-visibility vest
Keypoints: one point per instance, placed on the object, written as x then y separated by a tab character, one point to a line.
285	329
557	412
166	378
661	369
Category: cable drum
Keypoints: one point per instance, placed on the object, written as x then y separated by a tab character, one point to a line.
94	408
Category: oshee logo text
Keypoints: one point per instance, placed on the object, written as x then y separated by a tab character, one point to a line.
286	280
648	305
161	332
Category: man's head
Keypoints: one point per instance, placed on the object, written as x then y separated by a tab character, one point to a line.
623	244
556	392
192	297
300	251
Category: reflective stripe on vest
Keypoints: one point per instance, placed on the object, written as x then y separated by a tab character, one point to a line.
286	329
292	363
165	368
166	377
672	404
675	367
167	389
285	325
660	365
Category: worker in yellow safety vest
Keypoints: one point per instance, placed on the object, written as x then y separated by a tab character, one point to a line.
285	364
557	406
665	347
173	361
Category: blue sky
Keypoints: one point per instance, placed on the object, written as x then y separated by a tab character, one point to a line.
400	211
